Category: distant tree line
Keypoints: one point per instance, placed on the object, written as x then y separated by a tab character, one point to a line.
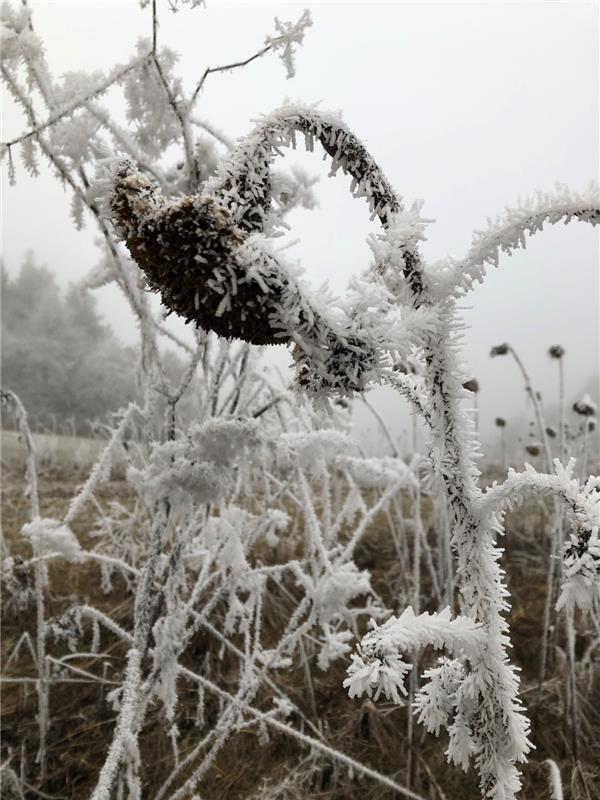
65	363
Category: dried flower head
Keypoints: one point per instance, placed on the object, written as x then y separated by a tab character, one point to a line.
551	432
472	385
556	351
221	277
533	449
499	350
585	407
500	422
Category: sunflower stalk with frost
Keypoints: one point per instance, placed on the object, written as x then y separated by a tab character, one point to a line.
256	296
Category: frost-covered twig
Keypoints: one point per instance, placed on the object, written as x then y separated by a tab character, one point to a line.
101	470
581	552
315	744
115	76
455	277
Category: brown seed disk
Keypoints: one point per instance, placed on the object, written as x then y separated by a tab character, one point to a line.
208	271
187	248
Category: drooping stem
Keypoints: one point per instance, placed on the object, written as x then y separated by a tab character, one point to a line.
537	410
561	409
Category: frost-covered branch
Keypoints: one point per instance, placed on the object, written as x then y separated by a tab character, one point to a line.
455	277
115	76
379	668
581	552
290	33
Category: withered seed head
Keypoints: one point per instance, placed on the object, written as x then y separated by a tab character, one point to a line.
208	271
184	247
499	350
556	351
584	408
472	385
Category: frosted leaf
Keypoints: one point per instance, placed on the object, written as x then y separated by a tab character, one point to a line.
461	745
436	701
148	107
277	521
283	707
52	536
581	554
332	592
335	646
373	676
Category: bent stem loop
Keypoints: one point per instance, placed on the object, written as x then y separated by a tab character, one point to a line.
210	257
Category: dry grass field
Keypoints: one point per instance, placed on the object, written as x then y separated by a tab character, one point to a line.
249	766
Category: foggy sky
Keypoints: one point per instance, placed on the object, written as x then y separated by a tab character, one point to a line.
466	105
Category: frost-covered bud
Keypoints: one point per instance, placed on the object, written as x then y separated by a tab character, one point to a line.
499	350
556	351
